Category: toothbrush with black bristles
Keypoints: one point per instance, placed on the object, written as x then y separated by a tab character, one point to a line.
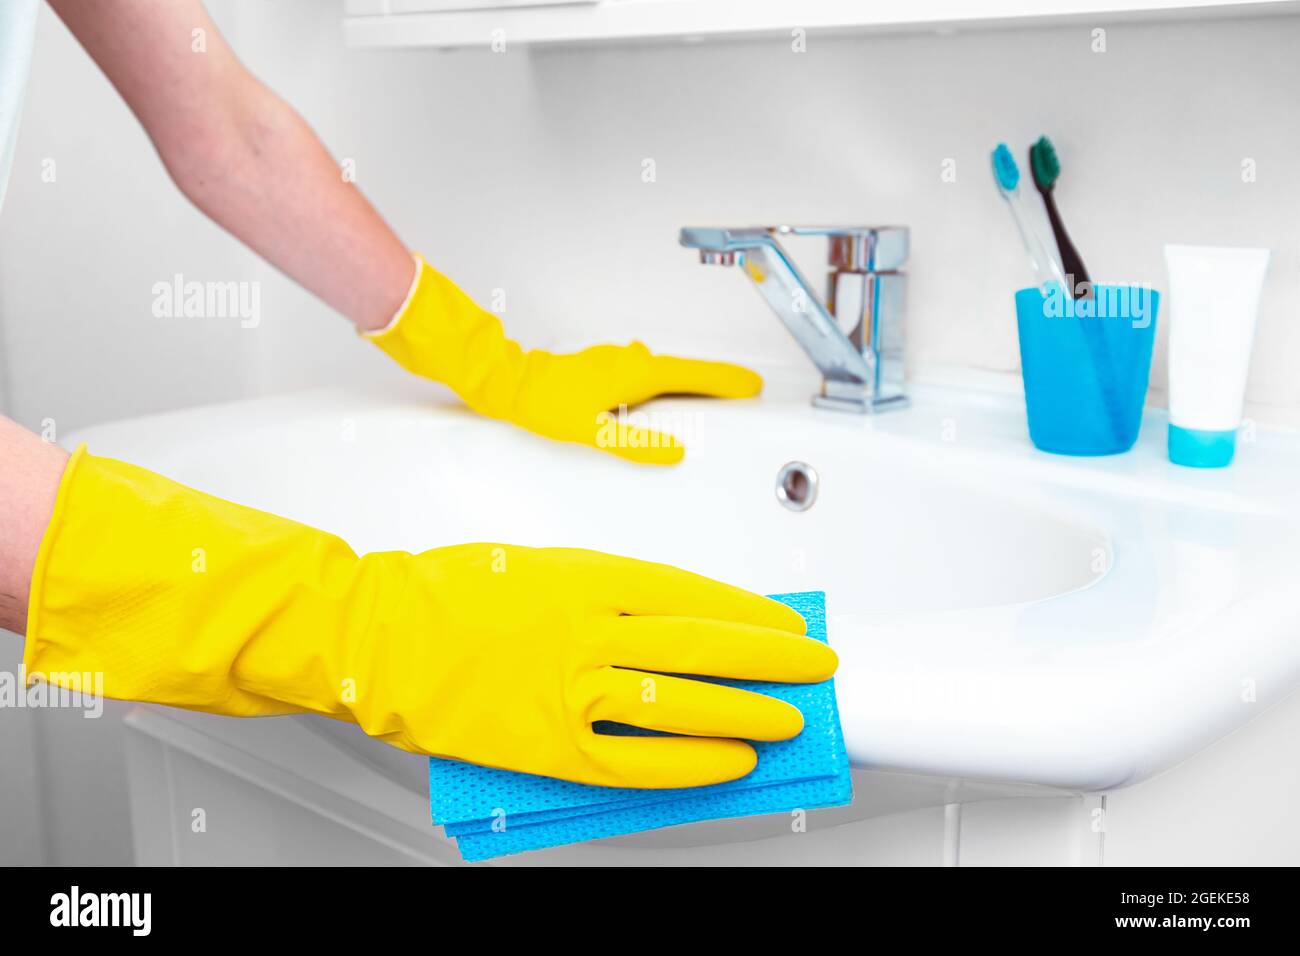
1046	168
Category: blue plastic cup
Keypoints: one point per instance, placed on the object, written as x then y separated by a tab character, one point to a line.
1086	364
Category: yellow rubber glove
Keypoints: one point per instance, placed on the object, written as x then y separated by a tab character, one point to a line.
441	334
493	654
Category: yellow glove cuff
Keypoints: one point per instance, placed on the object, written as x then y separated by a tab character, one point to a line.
180	598
442	334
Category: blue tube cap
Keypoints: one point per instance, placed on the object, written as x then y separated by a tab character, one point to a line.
1196	448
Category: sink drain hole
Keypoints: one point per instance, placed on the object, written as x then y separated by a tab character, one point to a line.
796	486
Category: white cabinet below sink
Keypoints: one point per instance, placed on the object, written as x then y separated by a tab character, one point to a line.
272	793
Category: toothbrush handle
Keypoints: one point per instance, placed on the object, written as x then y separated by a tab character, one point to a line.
1046	268
1071	262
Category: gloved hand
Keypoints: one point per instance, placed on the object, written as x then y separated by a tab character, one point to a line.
498	655
441	334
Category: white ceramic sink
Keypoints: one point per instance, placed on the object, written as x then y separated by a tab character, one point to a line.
1001	614
890	530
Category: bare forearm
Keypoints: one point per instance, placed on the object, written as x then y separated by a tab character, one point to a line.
29	481
277	190
242	155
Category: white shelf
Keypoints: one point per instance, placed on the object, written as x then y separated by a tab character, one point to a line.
434	23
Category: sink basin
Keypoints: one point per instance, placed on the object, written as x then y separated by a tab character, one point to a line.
888	531
1001	614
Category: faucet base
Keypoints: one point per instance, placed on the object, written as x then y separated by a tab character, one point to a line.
861	405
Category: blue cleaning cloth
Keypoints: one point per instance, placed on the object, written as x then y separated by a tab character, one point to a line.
532	812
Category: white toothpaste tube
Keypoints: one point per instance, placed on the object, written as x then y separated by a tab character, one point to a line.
1213	303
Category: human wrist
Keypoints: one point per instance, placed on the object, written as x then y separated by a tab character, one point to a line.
391	322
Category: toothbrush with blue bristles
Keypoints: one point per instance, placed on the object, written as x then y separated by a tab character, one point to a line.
1007	175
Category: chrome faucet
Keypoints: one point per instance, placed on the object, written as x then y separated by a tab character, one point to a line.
855	338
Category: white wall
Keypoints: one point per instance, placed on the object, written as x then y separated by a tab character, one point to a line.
523	171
